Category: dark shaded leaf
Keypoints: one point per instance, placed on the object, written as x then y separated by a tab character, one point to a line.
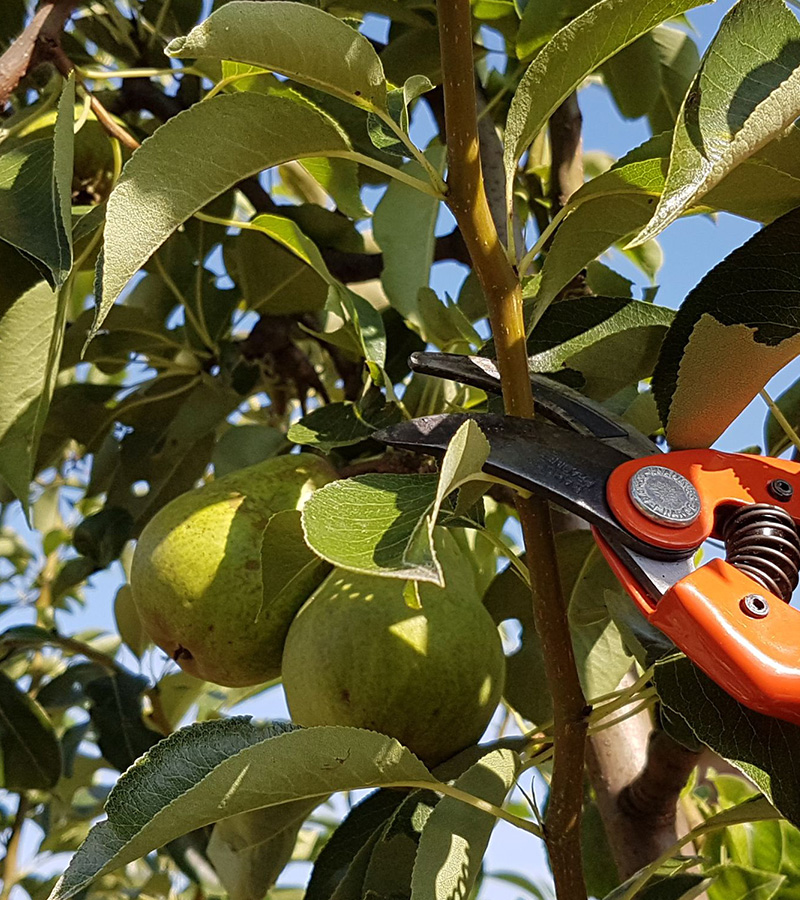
31	754
35	184
362	822
634	77
102	536
343	424
116	712
763	747
613	342
245	445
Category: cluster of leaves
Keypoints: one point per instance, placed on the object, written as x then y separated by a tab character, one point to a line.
234	290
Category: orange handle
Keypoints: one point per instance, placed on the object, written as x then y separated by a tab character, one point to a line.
756	660
751	648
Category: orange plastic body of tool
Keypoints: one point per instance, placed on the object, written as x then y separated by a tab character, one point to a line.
720	478
756	659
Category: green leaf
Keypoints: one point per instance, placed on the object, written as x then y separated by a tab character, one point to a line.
342	424
116	712
540	20
31	332
601	656
242	134
403	225
249	851
618	202
764	748
613	342
681	886
634	77
366	524
339	179
572	54
463	462
296	40
362	822
679	59
291	570
78	412
170	443
35	188
272	279
245	445
455	837
734	331
129	625
775	438
392	858
753	810
287	233
733	882
102	536
771	846
746	93
354	309
30	755
213	770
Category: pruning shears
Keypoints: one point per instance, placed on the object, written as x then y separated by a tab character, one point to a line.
650	512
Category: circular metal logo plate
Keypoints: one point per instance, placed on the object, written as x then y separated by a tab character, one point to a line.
664	496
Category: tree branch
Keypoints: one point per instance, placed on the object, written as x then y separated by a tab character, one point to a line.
12	848
566	166
638	774
467	200
26	51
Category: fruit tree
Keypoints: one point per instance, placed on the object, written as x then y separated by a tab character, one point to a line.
248	649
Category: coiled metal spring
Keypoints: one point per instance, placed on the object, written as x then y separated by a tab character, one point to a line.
762	541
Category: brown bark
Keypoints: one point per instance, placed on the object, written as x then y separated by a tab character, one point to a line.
566	168
33	45
638	774
467	200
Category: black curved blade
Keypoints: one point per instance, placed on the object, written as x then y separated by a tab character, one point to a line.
568	468
557	402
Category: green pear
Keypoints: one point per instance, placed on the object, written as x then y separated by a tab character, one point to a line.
358	655
200	587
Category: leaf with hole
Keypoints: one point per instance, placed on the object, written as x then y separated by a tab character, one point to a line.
734	331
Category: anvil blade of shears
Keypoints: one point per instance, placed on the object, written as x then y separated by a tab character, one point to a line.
555	401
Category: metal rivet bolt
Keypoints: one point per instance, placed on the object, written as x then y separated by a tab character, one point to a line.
780	489
664	496
754	605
